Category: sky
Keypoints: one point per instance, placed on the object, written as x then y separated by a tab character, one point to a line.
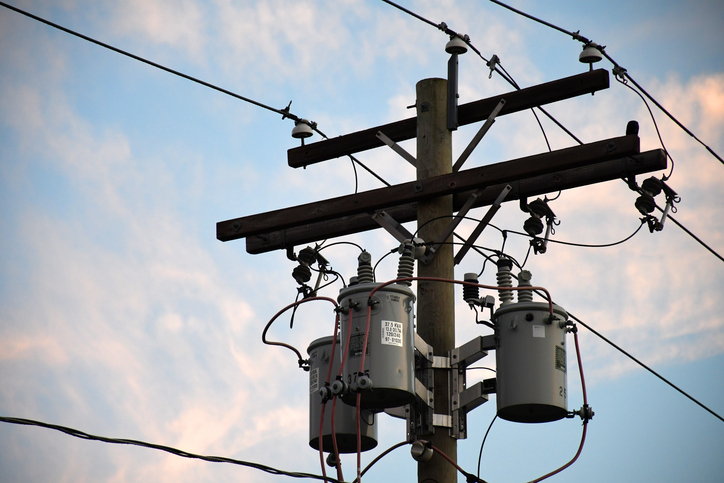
122	315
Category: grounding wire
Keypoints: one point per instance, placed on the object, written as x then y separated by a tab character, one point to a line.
618	70
480	454
168	449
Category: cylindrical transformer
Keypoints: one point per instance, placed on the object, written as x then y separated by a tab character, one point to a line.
345	416
388	377
531	362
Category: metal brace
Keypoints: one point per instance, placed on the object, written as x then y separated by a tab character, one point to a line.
464	399
391	225
397	148
478	137
483	223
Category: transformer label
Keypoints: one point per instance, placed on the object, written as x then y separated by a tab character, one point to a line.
539	331
560	358
391	332
314	380
356	342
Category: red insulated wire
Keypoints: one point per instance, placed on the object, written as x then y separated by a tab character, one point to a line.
585	421
276	316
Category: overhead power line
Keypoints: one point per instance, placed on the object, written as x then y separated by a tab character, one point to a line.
168	449
284	112
618	70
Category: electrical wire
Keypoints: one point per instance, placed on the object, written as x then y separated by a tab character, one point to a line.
468	476
480	454
302	362
585	245
493	65
618	70
379	457
583	416
701	242
662	378
283	112
168	449
623	82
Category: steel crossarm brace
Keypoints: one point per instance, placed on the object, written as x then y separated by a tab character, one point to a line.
483	223
478	137
397	148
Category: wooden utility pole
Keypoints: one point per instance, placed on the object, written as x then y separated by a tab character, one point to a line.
432	199
435	301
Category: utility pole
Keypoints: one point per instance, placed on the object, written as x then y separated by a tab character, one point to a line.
435	300
439	191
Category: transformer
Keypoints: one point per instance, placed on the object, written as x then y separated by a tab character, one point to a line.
530	358
345	416
388	377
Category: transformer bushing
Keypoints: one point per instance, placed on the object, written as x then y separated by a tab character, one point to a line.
388	377
345	417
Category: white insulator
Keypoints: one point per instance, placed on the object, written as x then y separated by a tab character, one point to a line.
406	265
524	281
365	274
505	279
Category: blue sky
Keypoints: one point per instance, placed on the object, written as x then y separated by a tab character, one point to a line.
122	315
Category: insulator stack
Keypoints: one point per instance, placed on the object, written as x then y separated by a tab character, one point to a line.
505	279
406	265
471	293
524	281
365	274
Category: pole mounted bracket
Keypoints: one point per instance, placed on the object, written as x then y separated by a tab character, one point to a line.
478	136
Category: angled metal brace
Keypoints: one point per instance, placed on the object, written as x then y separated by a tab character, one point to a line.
391	225
397	148
431	251
483	223
478	137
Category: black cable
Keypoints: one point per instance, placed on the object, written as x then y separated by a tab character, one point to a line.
480	455
694	236
584	245
653	119
618	70
284	113
612	344
174	451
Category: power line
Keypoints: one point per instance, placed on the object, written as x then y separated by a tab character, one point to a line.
618	348
284	112
618	70
168	449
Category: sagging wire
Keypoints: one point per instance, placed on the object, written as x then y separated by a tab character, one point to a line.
379	457
303	363
480	454
586	413
168	449
492	64
623	81
617	70
284	112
